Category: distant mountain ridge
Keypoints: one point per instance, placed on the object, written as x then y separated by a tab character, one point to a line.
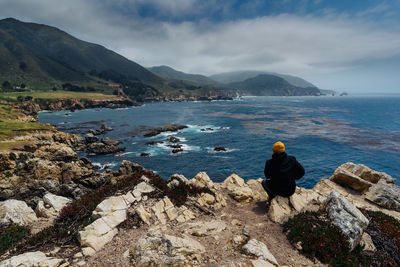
170	73
271	85
238	76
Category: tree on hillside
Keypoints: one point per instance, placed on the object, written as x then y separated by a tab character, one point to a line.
6	85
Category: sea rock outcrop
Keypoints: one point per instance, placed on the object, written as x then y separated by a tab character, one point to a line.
105	146
347	217
166	128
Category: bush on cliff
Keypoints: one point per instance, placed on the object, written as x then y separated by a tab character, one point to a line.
10	236
320	239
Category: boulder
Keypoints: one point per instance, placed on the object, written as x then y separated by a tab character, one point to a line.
238	189
385	195
16	212
261	263
51	205
91	138
110	205
159	249
279	210
97	234
205	228
143	214
140	189
5	162
347	217
346	178
31	259
366	173
260	250
202	180
128	168
305	199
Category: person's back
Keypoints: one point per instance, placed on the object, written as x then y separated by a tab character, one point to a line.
282	171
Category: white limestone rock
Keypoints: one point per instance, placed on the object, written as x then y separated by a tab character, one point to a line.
159	249
347	217
260	250
205	228
31	259
385	195
51	205
16	212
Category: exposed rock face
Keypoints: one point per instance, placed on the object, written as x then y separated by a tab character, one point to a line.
260	250
56	152
237	188
167	128
347	217
51	205
347	178
385	195
159	249
31	259
366	173
16	212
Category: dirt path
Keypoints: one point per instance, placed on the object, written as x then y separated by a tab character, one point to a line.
220	251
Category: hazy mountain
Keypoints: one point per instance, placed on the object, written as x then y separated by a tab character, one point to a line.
37	54
266	84
238	76
170	73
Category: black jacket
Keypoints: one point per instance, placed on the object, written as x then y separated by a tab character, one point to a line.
283	170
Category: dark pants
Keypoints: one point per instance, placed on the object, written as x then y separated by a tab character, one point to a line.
267	187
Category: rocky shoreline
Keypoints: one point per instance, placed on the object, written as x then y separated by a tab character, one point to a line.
224	224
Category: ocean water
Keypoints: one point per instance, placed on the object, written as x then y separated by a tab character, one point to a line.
321	132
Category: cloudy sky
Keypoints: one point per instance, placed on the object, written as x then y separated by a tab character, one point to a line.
345	45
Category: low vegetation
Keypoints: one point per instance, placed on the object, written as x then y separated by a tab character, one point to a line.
10	236
10	126
60	94
317	238
75	216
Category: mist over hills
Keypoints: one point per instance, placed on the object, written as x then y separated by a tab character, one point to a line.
44	57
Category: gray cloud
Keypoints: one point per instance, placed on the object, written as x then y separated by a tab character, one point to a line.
301	45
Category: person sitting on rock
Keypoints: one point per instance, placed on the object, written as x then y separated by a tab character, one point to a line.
281	172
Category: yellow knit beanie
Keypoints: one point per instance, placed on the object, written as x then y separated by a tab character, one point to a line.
278	147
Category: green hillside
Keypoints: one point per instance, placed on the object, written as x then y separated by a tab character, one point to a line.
238	76
39	55
271	85
170	73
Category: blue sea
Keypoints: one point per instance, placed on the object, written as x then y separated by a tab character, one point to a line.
321	132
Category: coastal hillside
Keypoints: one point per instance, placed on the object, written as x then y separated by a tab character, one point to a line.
170	73
271	85
37	54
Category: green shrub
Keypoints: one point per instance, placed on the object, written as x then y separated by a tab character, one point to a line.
322	240
10	236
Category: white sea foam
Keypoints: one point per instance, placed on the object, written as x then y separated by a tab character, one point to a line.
103	166
123	154
228	150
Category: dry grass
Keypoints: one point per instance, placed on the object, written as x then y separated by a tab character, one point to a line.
58	95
